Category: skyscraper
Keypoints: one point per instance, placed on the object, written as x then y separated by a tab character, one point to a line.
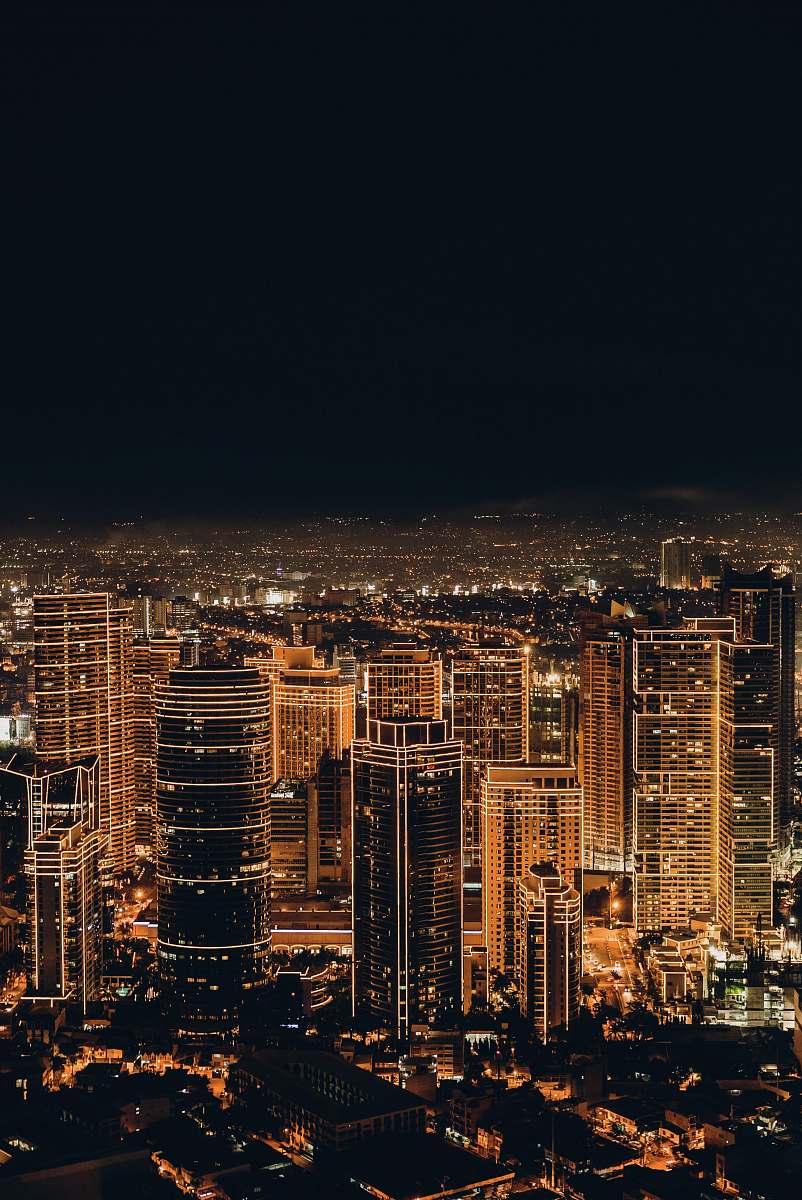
764	608
746	786
553	715
313	711
407	874
530	813
405	681
605	735
212	844
83	679
62	873
490	709
289	837
703	778
329	794
675	564
153	660
549	949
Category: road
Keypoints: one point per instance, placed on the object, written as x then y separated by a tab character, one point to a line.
608	957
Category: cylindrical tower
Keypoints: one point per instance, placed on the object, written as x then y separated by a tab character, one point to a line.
212	844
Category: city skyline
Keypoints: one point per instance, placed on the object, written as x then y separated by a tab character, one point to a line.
401	601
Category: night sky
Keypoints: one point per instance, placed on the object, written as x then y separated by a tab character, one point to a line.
280	258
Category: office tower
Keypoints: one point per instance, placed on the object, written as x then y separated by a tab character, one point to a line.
407	874
675	564
746	786
703	785
549	949
329	794
189	645
152	662
183	613
289	837
711	571
345	660
764	607
605	735
83	677
490	711
553	715
313	712
530	813
212	844
148	615
62	873
405	681
675	680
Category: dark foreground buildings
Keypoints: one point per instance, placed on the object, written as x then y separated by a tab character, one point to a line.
407	874
212	844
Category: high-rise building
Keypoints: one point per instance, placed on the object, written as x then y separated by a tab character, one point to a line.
289	837
746	786
405	681
764	607
313	712
711	571
703	783
212	844
553	715
63	879
529	813
675	564
407	874
549	949
83	665
183	613
329	794
490	713
605	735
153	660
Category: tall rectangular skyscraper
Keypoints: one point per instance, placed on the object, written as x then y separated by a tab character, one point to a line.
83	666
64	902
703	776
530	813
764	608
490	715
407	874
153	659
605	736
675	564
405	681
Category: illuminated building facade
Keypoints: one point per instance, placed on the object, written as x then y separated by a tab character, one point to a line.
764	608
549	949
675	564
313	710
407	874
64	900
405	681
553	715
212	844
529	813
83	670
703	776
289	837
605	736
490	714
152	662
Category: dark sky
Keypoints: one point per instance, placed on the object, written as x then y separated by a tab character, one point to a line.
279	257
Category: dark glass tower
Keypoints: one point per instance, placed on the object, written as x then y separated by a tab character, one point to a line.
212	844
407	875
764	610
